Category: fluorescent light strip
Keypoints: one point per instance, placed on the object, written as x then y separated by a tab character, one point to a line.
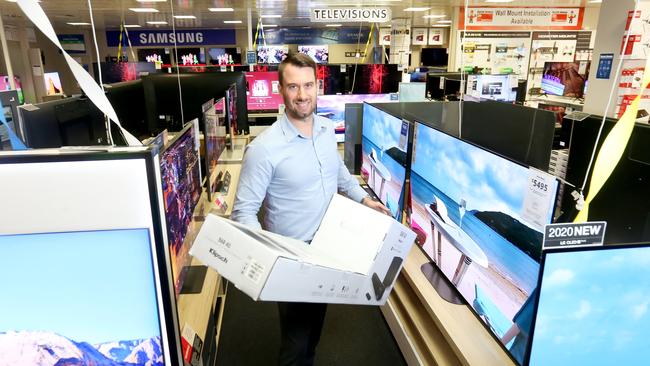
232	21
220	10
440	25
416	9
78	23
156	22
332	25
269	25
144	10
434	16
131	26
270	16
184	17
444	22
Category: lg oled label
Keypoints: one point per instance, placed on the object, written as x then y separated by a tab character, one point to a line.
574	234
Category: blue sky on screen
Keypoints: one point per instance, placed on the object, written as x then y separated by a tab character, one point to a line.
486	181
94	286
381	128
593	308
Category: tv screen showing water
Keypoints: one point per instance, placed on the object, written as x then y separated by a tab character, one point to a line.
333	107
384	140
467	209
593	308
79	298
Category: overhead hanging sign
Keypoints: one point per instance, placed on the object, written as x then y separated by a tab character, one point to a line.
436	37
373	15
419	36
493	18
314	36
184	37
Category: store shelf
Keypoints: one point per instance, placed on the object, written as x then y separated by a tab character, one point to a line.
431	330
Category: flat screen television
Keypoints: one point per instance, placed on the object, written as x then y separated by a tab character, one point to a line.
10	105
468	207
271	54
558	110
215	142
224	56
623	201
434	57
495	87
104	278
5	85
333	107
565	78
181	187
319	53
412	92
161	55
52	83
384	144
99	291
592	307
231	111
191	56
262	91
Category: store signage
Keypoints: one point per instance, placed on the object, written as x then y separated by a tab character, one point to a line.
605	66
384	36
184	37
574	234
419	36
376	15
315	36
73	43
354	54
436	37
521	18
494	35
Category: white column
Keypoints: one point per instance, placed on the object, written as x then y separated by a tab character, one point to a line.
5	53
609	37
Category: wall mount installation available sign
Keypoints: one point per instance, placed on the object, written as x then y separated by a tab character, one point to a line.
490	18
377	15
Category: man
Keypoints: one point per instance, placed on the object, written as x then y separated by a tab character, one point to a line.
293	169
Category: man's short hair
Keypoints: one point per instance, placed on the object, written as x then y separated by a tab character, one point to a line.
296	59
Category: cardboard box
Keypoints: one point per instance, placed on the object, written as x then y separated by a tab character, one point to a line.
354	257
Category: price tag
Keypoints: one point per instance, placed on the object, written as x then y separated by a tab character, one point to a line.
442	83
541	187
584	234
224	68
343	67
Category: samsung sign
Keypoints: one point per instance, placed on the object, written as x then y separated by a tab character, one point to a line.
185	37
377	15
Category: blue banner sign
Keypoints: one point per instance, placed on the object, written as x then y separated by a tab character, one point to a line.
183	37
314	36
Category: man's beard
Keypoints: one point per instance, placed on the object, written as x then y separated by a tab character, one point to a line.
293	112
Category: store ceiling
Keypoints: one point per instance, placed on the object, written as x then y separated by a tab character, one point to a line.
109	13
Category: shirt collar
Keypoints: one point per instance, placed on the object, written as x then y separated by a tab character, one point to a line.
290	131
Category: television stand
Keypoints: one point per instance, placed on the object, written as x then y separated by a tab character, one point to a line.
440	283
194	278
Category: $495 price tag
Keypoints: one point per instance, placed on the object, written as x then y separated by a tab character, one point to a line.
539	198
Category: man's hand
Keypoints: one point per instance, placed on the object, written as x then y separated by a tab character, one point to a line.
375	205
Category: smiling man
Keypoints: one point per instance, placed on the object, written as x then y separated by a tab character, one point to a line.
290	172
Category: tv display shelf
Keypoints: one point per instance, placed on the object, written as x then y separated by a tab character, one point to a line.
430	330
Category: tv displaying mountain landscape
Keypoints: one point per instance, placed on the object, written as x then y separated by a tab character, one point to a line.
467	207
79	298
333	107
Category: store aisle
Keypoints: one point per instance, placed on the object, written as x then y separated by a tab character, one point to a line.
353	335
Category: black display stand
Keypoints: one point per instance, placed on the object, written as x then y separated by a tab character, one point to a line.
440	283
194	278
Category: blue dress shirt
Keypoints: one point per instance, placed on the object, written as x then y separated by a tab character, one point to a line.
293	177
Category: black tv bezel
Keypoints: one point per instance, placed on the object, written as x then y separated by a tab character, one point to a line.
208	172
435	265
171	318
542	263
